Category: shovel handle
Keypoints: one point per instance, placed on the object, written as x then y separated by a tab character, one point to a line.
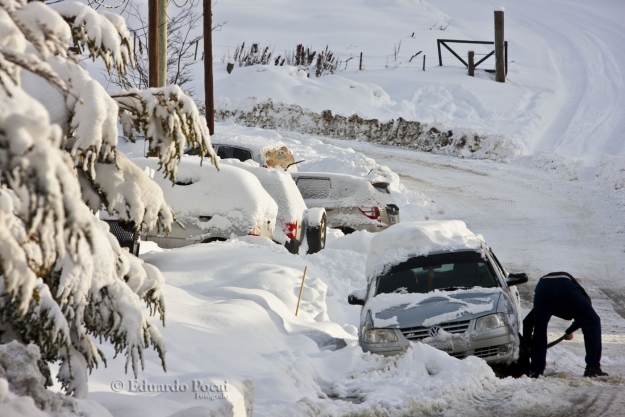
555	342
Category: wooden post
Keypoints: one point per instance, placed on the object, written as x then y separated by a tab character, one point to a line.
440	58
471	63
500	62
301	289
360	66
423	62
162	43
208	66
153	43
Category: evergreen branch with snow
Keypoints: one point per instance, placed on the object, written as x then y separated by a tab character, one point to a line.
169	119
104	34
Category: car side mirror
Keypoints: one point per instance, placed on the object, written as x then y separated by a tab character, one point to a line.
357	298
516	279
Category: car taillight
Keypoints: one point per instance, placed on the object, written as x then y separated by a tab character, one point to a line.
290	229
255	231
371	212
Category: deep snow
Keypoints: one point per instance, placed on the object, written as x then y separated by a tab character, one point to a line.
231	305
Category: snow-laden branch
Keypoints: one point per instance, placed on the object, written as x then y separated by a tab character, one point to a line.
169	120
31	63
103	33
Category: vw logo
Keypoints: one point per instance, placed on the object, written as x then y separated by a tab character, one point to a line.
434	331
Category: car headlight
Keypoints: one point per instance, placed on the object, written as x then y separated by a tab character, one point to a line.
380	336
491	321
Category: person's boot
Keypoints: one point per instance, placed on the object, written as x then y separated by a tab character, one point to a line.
594	372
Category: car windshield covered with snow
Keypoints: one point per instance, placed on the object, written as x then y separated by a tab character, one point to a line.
436	282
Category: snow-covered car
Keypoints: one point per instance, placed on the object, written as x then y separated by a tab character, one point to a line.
212	205
438	283
266	152
352	203
295	222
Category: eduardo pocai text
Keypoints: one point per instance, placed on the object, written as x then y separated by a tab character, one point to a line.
201	390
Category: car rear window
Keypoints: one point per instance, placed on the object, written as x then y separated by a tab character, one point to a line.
447	271
231	152
312	188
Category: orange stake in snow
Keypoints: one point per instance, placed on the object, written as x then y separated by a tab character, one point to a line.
301	289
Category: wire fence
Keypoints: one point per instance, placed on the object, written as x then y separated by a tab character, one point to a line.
351	60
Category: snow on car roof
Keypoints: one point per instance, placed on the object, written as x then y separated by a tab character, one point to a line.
260	143
280	187
402	241
230	192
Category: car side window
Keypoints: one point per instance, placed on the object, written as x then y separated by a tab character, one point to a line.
313	188
232	152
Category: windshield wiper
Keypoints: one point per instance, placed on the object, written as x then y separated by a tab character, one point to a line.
453	288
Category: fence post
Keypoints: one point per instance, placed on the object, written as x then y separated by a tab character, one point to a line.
360	66
500	70
423	62
471	63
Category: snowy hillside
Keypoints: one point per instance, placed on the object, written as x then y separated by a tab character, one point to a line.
564	91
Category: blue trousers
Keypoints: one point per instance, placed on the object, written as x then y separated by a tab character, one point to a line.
560	297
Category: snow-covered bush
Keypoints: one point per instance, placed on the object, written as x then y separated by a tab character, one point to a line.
302	58
63	276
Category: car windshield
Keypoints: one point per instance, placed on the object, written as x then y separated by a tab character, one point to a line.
446	271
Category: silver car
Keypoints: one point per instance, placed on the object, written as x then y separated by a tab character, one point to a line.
352	203
451	293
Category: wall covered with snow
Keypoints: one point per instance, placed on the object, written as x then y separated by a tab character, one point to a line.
427	137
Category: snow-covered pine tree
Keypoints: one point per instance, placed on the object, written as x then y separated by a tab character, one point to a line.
63	277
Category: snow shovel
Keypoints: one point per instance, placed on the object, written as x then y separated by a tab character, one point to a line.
555	342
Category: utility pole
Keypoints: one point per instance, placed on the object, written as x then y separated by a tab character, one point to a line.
500	64
162	43
208	66
153	43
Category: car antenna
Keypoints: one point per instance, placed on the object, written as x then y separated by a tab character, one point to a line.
223	131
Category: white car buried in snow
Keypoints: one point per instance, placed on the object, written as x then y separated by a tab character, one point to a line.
212	205
436	282
295	223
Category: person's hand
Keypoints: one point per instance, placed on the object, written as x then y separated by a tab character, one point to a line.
568	336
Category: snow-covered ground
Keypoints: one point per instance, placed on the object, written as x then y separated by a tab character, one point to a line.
231	327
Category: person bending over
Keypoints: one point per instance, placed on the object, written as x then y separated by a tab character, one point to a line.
559	294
